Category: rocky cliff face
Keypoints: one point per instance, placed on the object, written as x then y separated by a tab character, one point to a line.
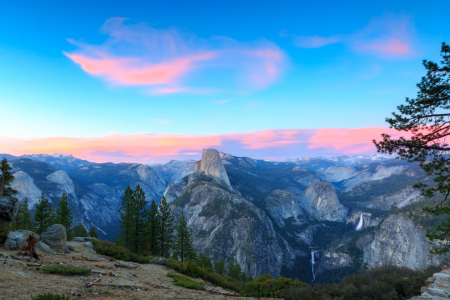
321	202
281	205
337	173
227	226
211	165
26	188
400	243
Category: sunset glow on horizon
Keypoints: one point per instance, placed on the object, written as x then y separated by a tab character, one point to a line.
161	80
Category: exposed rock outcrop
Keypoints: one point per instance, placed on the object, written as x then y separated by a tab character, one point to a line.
337	173
211	165
332	259
225	225
174	191
321	202
55	236
26	188
8	209
281	205
400	243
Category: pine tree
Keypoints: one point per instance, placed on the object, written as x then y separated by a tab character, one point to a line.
63	213
126	219
93	232
79	231
219	267
423	125
23	218
43	214
203	261
166	228
234	270
140	215
152	230
5	179
183	239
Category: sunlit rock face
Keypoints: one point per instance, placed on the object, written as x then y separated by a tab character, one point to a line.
339	173
211	165
320	201
24	184
400	243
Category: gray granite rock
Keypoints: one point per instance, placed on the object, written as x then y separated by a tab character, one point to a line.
43	248
15	240
55	236
88	244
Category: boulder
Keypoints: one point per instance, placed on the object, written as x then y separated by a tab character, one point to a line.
88	244
158	261
55	236
15	240
8	209
43	248
27	233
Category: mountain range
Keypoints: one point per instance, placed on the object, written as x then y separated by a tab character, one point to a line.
305	218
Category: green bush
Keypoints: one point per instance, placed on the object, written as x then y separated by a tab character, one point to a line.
65	270
207	274
51	297
119	252
388	283
265	286
4	230
186	282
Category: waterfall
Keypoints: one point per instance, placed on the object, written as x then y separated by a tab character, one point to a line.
312	265
360	224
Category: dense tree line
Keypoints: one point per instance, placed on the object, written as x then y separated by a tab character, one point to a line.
154	231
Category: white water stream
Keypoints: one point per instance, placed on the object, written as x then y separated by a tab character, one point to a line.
360	224
312	265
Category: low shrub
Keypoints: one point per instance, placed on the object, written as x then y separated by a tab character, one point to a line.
389	282
181	280
265	286
4	230
119	252
195	271
51	297
65	270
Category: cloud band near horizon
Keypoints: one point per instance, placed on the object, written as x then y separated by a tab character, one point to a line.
276	144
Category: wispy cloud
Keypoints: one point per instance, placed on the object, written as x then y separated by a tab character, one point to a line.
174	61
388	36
145	147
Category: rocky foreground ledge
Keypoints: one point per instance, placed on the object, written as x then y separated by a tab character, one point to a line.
436	287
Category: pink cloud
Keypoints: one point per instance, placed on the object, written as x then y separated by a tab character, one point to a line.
132	71
172	61
144	147
388	36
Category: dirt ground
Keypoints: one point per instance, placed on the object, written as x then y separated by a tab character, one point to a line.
147	281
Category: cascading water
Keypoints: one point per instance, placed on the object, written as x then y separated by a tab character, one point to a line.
360	224
312	265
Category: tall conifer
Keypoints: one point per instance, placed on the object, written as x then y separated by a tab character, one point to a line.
43	214
126	219
63	213
183	239
139	216
152	230
79	231
5	179
166	227
93	232
23	218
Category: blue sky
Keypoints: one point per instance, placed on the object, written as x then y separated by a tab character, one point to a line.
71	69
